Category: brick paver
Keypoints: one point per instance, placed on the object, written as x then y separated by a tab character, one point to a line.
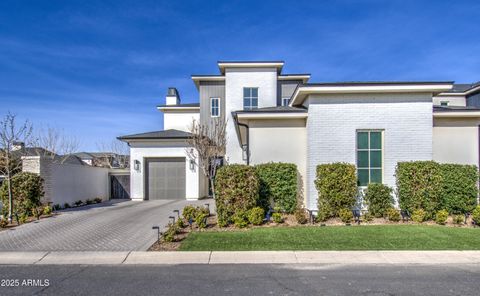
111	226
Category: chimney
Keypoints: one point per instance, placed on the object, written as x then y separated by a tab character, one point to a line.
173	97
16	146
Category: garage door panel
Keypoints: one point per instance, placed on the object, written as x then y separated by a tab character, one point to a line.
166	178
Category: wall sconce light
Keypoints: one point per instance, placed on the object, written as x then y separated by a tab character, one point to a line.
192	164
136	165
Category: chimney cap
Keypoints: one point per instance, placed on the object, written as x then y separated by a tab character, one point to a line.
172	91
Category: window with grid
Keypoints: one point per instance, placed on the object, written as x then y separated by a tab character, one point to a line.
369	157
215	107
250	98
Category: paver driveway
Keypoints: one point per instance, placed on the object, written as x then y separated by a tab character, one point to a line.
111	226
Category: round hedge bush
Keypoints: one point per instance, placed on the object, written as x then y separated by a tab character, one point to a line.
441	217
379	199
236	190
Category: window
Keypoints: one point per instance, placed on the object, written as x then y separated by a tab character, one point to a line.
285	101
215	107
250	98
369	157
444	103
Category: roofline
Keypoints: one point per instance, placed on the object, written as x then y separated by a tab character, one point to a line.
457	113
197	78
272	115
222	65
177	108
303	77
464	93
302	91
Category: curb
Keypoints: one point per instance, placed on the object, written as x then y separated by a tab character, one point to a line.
241	257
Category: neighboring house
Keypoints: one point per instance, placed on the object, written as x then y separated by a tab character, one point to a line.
277	117
104	159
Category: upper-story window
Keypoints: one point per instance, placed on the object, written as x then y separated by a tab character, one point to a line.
285	101
250	98
215	107
444	103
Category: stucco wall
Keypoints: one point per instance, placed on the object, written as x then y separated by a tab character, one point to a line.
140	151
67	183
280	141
452	100
235	81
334	119
179	120
455	140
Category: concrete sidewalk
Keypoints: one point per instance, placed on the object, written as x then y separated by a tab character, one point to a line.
242	257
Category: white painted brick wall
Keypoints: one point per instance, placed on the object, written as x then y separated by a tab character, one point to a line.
333	120
235	81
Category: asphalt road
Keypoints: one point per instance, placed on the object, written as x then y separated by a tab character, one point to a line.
243	280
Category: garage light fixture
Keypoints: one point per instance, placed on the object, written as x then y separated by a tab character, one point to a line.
192	164
136	165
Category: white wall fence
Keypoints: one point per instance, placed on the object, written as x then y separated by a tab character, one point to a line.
67	183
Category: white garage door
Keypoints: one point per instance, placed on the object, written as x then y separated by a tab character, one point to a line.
165	178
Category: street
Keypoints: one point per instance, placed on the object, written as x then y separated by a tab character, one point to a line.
291	279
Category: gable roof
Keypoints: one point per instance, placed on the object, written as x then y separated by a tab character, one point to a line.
165	134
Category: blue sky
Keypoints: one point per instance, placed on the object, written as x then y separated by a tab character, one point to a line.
97	69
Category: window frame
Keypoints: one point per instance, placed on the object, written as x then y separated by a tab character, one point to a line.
287	99
369	150
212	107
444	103
250	98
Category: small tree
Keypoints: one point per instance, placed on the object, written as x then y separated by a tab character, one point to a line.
208	142
56	145
10	158
115	154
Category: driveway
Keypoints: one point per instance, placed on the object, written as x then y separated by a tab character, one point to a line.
110	226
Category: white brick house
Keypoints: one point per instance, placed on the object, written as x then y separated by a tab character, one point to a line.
273	116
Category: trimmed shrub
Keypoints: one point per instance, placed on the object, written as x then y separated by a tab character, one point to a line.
78	203
89	201
458	219
66	205
393	215
189	213
419	215
236	190
169	234
476	215
459	188
278	184
47	210
379	199
240	219
301	216
27	190
441	217
367	217
98	200
57	207
346	215
201	219
256	215
3	223
419	185
337	188
277	218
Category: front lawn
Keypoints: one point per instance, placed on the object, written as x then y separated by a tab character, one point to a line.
374	237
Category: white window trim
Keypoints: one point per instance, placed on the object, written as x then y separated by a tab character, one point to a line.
250	107
211	107
285	101
382	133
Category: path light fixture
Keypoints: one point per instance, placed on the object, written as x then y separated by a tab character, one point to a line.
207	205
158	232
136	165
178	213
172	218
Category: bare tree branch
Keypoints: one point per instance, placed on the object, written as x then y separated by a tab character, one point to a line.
56	144
208	142
114	154
11	135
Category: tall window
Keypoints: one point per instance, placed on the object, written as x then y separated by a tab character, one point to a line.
215	107
285	101
369	157
250	98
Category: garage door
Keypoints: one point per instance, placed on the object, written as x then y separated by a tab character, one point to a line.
165	178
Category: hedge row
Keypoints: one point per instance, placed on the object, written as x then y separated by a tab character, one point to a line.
432	187
27	192
239	188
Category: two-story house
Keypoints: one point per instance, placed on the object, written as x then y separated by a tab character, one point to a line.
277	117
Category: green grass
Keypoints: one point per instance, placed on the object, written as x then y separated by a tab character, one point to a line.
380	237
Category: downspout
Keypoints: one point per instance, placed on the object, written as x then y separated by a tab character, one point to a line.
247	129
